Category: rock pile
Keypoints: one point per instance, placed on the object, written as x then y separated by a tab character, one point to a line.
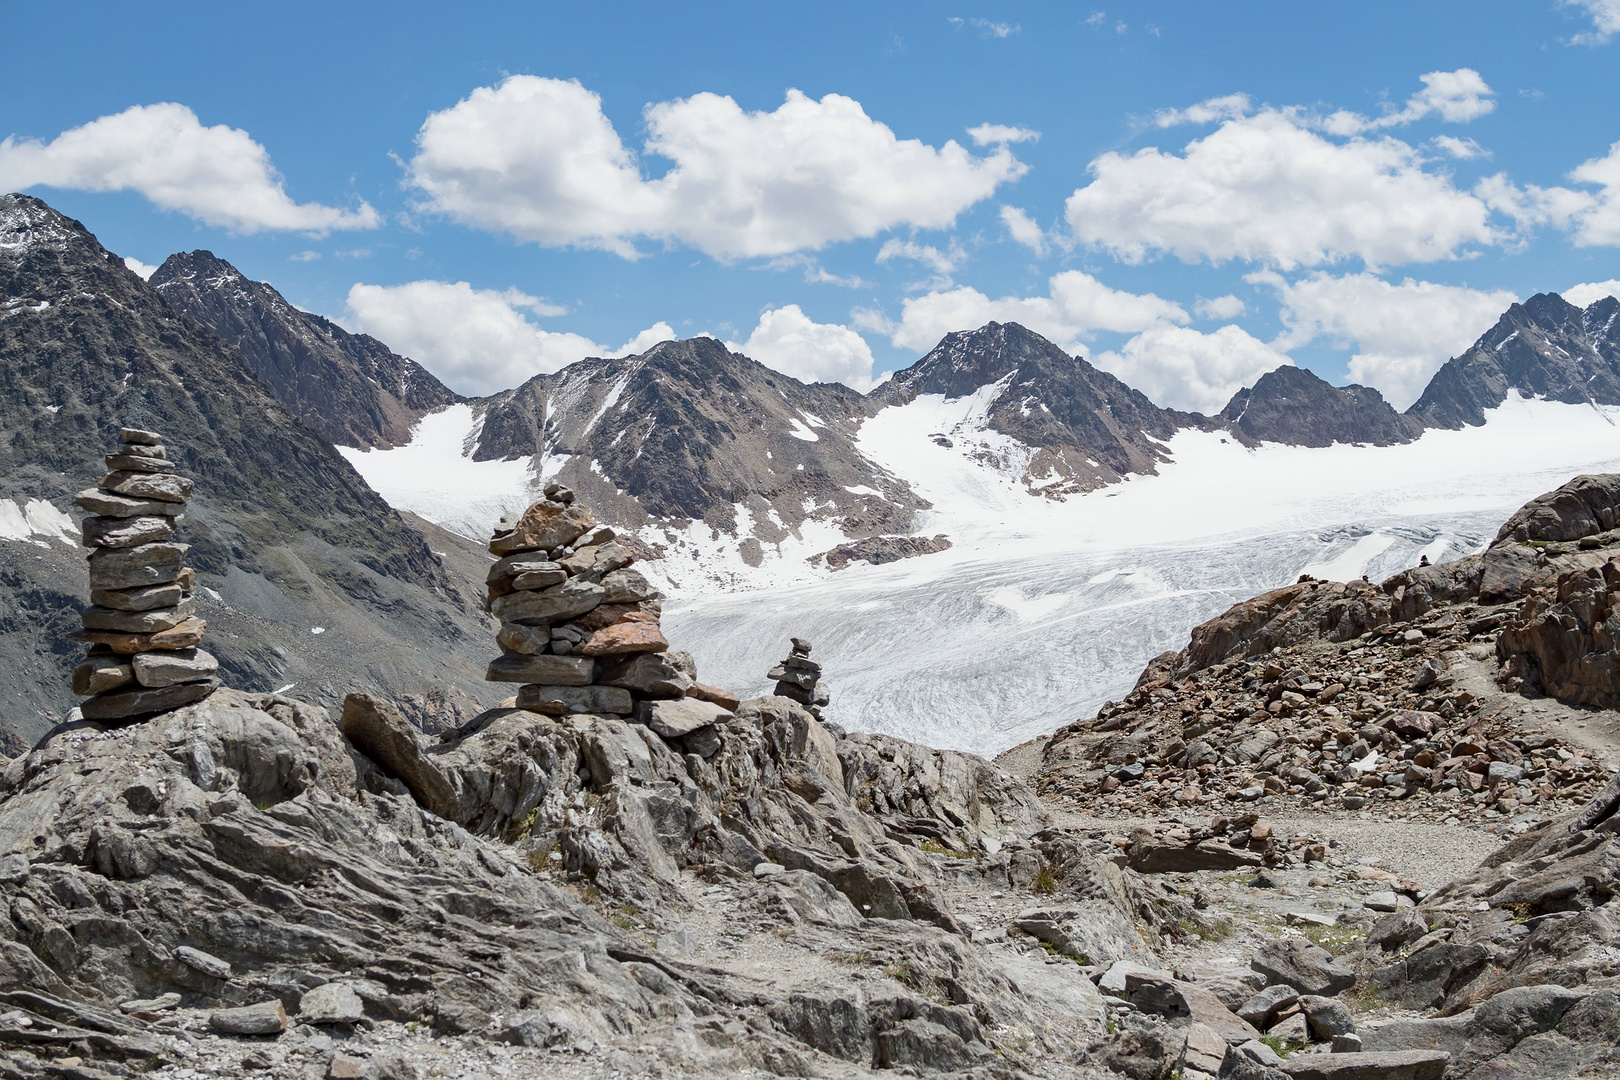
1566	640
798	678
142	625
580	628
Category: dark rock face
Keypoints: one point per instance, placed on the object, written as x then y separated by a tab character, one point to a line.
1545	347
349	388
1586	506
1568	644
688	430
283	532
878	550
1084	427
1291	405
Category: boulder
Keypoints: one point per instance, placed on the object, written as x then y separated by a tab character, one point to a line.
1204	1053
1397	1065
207	963
128	704
159	669
713	694
515	638
627	587
1157	855
578	699
265	1018
331	1003
377	730
543	527
676	719
116	532
134	567
1302	965
557	604
650	675
1259	1009
553	670
1326	1017
163	487
1174	998
106	504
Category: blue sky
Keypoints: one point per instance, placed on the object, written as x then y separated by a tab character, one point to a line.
1188	194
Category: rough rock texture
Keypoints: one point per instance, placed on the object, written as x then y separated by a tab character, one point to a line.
351	389
1567	643
1545	347
1291	405
284	534
878	550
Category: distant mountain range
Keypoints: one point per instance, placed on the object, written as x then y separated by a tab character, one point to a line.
702	452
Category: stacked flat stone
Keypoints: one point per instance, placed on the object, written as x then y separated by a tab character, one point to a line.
799	678
580	628
142	625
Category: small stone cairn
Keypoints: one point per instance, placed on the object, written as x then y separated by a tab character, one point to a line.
798	678
579	628
142	625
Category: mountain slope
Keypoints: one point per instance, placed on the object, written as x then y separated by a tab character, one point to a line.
349	388
1293	406
1545	347
286	537
1075	426
690	431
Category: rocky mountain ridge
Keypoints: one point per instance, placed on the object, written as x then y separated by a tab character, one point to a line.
303	570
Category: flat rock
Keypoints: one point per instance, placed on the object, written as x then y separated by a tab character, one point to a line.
714	695
181	636
1307	967
142	463
139	436
1260	1008
650	675
98	674
1395	1065
676	719
265	1018
543	526
158	669
613	614
161	1003
138	622
126	704
378	730
207	963
147	598
553	605
525	562
1204	1052
553	670
1113	980
134	567
624	639
118	532
579	699
331	1003
107	504
1174	998
1168	857
515	638
166	487
539	579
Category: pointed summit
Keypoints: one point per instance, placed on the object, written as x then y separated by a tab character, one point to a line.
1294	406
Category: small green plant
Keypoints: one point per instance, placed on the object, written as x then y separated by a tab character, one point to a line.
540	856
1046	882
629	909
1276	1043
901	972
623	922
855	959
522	828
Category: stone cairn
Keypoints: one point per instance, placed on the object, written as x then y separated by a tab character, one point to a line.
142	625
579	628
799	678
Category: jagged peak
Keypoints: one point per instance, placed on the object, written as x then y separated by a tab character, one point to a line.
31	224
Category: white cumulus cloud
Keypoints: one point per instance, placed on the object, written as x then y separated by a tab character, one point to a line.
1221	307
1024	229
1229	107
1455	96
538	159
996	134
1181	368
1598	222
789	341
1590	292
217	175
1266	188
1605	20
478	341
1402	332
1076	305
144	271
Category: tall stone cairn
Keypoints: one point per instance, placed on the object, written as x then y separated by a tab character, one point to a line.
142	624
579	628
798	678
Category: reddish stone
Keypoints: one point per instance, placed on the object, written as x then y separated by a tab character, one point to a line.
623	639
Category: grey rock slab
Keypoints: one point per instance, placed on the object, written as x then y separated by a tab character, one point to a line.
136	567
208	964
161	1003
126	704
265	1018
1307	967
527	562
1260	1008
99	674
517	639
627	587
118	532
139	436
107	504
557	604
157	669
1398	1065
139	463
14	869
1203	1053
654	675
331	1003
148	598
138	622
675	719
579	699
1348	1043
539	579
375	728
166	487
1113	980
1327	1017
551	670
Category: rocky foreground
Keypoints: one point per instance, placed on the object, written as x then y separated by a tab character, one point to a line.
250	885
